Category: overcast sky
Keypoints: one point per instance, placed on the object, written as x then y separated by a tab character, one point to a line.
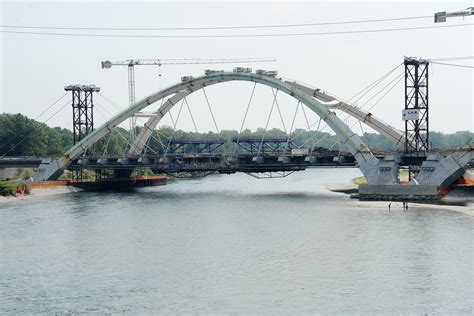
35	68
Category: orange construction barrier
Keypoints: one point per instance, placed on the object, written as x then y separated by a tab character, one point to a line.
49	184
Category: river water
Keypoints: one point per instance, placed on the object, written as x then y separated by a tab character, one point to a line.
233	244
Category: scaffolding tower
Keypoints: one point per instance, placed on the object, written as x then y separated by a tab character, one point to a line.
82	110
82	115
416	109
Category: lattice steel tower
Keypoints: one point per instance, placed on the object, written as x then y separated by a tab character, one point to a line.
416	110
82	110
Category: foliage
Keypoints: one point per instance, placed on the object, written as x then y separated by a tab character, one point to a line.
9	188
143	172
25	173
21	136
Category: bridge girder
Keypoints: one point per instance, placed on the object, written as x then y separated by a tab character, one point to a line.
355	145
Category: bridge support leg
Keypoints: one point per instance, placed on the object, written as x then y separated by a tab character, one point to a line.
437	174
381	171
49	169
442	171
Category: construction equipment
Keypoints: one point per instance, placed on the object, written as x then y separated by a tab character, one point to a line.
441	16
131	63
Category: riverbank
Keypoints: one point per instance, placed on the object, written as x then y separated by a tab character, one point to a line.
450	199
39	192
398	206
347	188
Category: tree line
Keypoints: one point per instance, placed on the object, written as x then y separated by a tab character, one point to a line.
22	136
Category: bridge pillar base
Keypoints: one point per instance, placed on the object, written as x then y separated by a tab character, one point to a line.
49	169
381	171
437	174
399	192
442	171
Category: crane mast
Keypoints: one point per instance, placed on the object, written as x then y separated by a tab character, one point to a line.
131	63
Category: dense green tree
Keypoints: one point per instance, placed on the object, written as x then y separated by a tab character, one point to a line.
21	136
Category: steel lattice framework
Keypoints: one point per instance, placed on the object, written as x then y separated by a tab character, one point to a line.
416	99
82	110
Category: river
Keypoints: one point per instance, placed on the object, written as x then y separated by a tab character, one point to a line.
233	244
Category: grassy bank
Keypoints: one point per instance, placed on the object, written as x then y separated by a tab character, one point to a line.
10	188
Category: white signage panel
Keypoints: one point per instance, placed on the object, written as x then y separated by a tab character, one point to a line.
299	152
410	115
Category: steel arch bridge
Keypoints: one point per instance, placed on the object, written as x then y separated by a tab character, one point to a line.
376	171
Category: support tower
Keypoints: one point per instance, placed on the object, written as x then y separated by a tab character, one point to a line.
82	110
415	113
82	114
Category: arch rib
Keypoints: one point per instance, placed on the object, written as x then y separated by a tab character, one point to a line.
355	145
390	133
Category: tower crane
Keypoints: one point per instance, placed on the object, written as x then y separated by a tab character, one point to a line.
131	63
441	16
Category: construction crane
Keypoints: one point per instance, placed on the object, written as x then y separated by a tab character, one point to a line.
131	63
441	16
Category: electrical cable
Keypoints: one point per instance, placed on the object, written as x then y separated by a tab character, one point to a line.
212	27
454	65
240	35
450	58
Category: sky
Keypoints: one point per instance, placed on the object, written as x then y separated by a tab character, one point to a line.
35	68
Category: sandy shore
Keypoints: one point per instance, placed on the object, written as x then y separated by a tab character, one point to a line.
52	191
349	187
469	209
39	192
341	188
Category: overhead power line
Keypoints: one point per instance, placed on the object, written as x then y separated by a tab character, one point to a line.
237	35
454	65
450	58
232	27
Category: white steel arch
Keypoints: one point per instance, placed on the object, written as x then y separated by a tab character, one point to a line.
361	152
392	134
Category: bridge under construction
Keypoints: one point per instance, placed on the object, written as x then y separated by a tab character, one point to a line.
430	172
